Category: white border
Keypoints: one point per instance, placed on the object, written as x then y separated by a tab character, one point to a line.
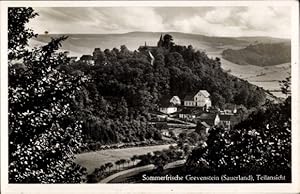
294	187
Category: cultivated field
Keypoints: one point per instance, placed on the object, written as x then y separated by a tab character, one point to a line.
92	160
265	77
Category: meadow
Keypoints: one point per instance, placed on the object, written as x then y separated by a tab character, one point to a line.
92	160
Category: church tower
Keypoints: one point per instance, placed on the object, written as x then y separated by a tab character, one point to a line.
160	42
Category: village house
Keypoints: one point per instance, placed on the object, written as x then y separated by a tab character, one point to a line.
225	121
230	109
189	113
168	104
186	114
228	120
200	99
211	119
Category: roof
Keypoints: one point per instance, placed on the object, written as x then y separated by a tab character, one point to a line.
208	118
189	97
156	112
165	101
204	93
86	57
176	97
225	117
186	111
147	48
207	115
205	124
189	110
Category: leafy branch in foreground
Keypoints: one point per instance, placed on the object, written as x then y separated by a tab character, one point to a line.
43	130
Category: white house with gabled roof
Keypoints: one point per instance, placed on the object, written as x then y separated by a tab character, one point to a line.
199	99
168	104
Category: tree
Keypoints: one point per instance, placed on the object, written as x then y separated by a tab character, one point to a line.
124	51
168	41
117	163
182	139
133	159
109	165
285	86
160	162
186	149
103	168
193	138
242	96
202	131
18	34
128	162
99	57
122	162
44	132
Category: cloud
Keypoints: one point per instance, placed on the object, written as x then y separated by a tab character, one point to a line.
214	21
267	20
238	21
202	26
131	19
97	20
219	15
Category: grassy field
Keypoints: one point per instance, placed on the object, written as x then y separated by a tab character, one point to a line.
266	77
92	160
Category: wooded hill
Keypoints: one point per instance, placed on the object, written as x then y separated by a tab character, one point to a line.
260	54
123	87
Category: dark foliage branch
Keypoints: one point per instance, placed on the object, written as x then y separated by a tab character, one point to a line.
259	145
44	130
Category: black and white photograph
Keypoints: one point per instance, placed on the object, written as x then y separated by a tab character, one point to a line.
169	94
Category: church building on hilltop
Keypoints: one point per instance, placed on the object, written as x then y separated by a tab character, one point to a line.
146	47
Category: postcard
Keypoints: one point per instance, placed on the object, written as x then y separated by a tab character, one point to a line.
149	96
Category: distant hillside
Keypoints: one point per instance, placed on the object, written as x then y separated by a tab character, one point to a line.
79	44
263	54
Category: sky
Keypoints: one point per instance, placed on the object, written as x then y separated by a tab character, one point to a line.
211	21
